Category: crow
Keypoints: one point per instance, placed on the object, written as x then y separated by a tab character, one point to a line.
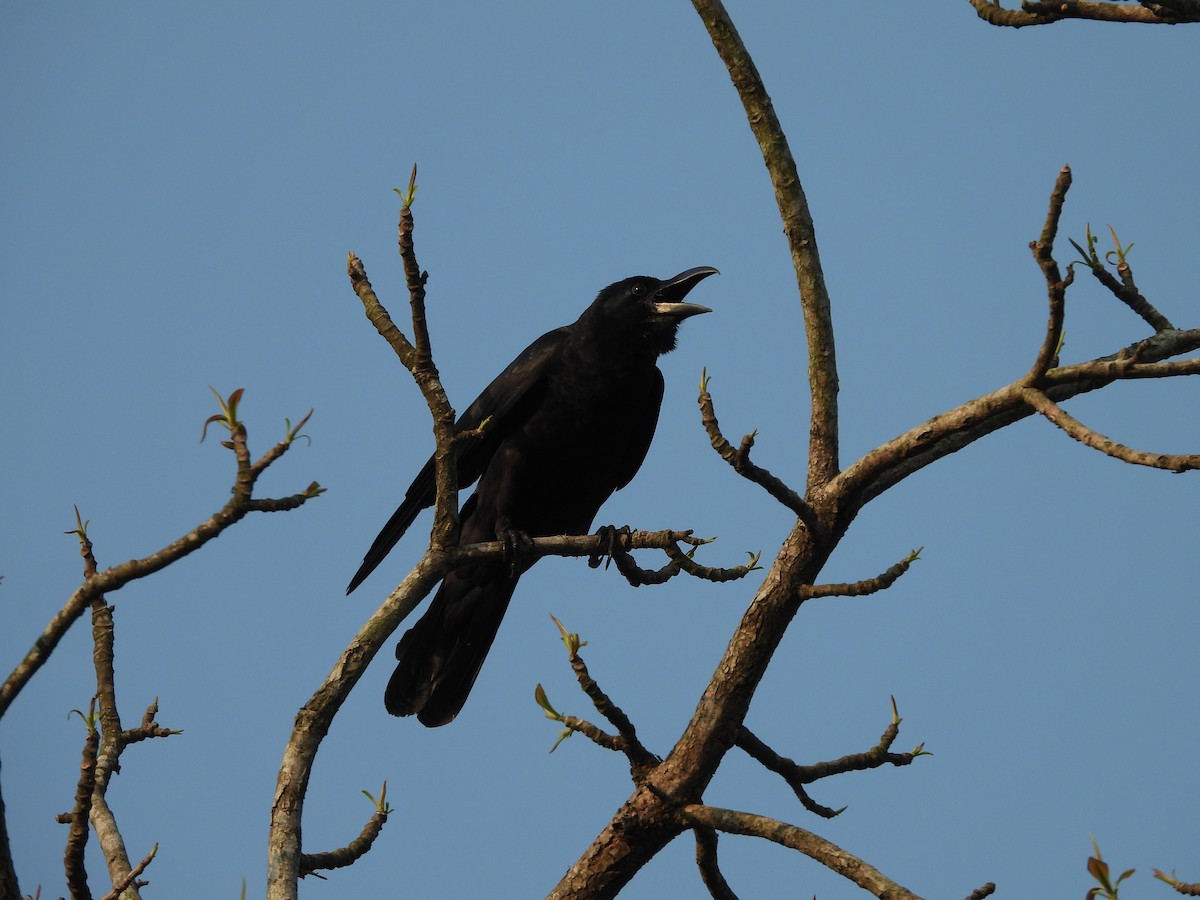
566	424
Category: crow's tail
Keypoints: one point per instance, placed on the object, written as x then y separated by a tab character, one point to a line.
440	656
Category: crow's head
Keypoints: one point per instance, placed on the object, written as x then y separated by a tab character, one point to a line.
646	310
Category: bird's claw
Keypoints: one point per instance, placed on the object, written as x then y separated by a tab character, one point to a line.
610	544
516	544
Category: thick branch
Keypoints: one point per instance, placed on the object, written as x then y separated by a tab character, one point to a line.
801	236
949	432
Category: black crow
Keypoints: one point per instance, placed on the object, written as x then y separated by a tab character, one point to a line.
567	423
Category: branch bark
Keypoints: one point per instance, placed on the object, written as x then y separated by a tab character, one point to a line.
801	235
1167	12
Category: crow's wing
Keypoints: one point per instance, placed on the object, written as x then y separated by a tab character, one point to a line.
641	417
515	389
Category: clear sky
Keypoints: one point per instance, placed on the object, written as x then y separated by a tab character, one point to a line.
181	184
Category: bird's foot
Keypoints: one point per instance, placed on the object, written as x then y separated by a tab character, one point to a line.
610	544
516	544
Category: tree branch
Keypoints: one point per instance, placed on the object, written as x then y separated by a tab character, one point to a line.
130	880
1126	289
740	460
706	861
949	432
112	579
796	838
801	236
640	759
1167	12
861	588
1056	285
9	884
1094	439
356	849
77	881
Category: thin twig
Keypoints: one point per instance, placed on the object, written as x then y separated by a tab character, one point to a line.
740	460
861	588
1056	285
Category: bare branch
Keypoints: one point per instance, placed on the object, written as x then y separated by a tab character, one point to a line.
112	579
801	236
797	775
980	892
9	884
1107	446
77	835
1126	289
640	759
706	861
597	545
314	719
740	460
949	432
1056	285
130	879
1188	890
356	849
785	768
796	838
861	588
1166	12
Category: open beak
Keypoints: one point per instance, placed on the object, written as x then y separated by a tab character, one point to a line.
668	301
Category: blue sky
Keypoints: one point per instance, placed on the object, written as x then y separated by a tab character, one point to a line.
181	185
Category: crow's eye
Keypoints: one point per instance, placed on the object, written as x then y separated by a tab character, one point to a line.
637	290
